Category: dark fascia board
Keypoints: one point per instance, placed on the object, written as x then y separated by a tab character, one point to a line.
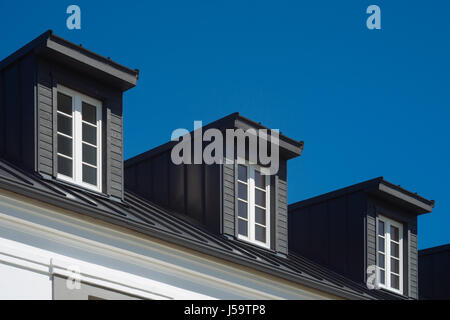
433	250
116	219
290	148
380	188
410	200
48	44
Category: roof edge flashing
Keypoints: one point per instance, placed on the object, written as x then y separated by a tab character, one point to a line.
377	186
50	44
419	204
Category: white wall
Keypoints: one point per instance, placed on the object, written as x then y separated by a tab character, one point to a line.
21	284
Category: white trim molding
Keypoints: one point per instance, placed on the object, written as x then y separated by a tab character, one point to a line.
48	239
390	254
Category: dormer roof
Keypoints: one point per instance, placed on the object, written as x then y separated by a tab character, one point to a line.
381	188
76	56
289	148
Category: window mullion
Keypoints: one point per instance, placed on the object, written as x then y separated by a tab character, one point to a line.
78	139
251	202
267	185
388	253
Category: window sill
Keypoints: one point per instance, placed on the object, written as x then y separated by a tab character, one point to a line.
251	244
76	187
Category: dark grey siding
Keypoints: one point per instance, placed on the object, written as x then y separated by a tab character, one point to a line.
229	199
49	75
281	240
413	262
331	232
17	112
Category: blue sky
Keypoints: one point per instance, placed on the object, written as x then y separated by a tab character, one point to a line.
367	103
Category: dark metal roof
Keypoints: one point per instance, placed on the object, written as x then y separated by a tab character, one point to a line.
379	187
143	216
49	44
433	250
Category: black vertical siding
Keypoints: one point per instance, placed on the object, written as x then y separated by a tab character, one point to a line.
13	107
27	93
17	112
2	114
212	197
192	190
160	170
46	109
281	212
338	250
357	208
412	273
176	187
49	75
331	232
434	276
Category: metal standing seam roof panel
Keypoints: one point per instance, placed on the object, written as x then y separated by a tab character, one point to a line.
143	216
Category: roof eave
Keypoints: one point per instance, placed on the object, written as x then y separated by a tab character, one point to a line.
50	45
414	203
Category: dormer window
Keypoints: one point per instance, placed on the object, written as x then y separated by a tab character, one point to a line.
253	201
390	254
79	126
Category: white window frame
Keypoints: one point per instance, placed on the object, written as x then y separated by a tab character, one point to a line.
387	253
77	141
251	205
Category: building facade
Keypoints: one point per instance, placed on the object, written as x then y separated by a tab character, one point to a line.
77	222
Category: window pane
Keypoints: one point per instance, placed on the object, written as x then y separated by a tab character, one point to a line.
394	249
65	124
242	191
64	103
89	175
260	198
381	260
65	166
395	283
89	134
381	228
381	244
89	154
260	216
89	113
382	277
394	233
242	209
395	265
242	173
260	180
260	233
64	145
242	227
